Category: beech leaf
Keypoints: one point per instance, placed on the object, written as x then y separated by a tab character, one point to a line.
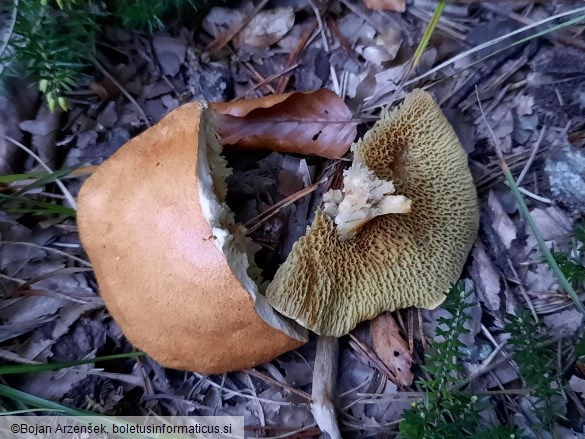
309	123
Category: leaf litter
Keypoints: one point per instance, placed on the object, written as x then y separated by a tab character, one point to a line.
361	54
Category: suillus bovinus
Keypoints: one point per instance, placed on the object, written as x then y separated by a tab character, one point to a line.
173	266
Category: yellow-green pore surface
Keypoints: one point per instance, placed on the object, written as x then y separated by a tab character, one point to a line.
396	260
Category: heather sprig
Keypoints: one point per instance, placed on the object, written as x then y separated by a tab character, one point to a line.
446	411
536	361
573	271
148	14
52	43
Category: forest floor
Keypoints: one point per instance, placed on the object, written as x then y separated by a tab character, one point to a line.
482	56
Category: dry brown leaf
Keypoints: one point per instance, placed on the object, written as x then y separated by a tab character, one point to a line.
391	348
386	5
311	123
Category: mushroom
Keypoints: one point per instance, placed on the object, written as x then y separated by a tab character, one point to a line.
170	262
329	285
174	269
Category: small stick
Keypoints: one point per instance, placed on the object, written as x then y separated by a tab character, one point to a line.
411	329
532	156
529	303
324	377
274	382
372	358
259	77
266	81
420	328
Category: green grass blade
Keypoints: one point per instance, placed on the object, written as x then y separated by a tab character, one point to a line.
40	403
424	42
563	281
23	412
28	368
42	181
380	101
473	50
422	45
35	207
67	173
80	415
12	178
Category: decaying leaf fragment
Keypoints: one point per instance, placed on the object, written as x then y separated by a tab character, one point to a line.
310	123
391	348
386	5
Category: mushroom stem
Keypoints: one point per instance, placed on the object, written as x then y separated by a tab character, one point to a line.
324	377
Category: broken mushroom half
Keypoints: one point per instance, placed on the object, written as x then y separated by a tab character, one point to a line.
329	285
170	262
176	270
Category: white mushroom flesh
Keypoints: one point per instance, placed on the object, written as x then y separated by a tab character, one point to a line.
364	197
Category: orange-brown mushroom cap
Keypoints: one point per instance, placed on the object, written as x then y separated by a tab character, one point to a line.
395	261
160	271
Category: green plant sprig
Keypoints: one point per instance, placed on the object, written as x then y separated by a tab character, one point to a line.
52	43
148	14
445	411
24	205
536	362
443	364
571	264
574	272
